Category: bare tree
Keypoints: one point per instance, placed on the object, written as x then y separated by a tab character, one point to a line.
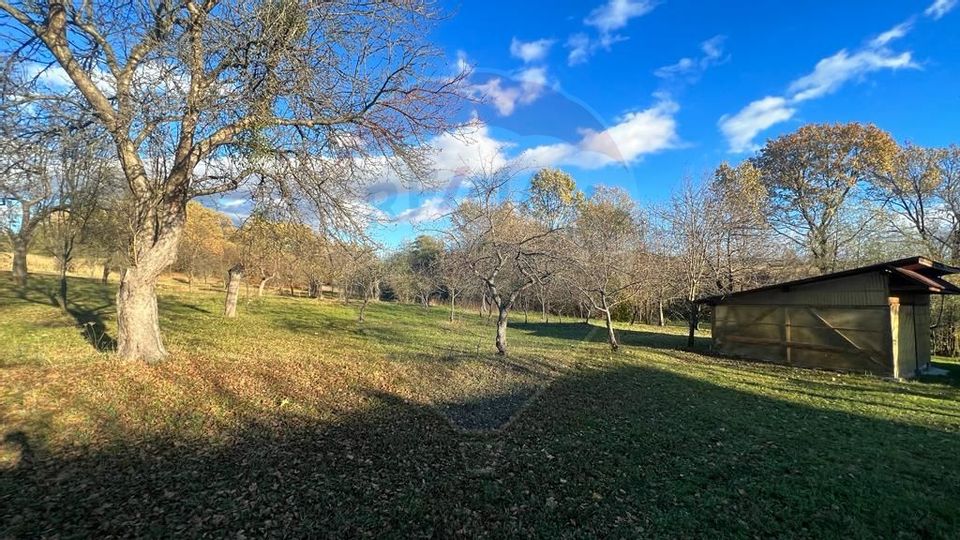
506	250
606	238
366	271
27	189
81	173
201	95
456	279
690	221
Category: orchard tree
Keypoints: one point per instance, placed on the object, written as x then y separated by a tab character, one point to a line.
201	95
424	255
264	246
82	176
813	179
553	201
365	272
28	192
506	250
738	198
203	248
607	237
689	222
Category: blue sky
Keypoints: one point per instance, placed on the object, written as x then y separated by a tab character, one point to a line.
641	93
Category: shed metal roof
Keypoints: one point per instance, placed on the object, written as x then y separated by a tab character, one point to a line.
917	274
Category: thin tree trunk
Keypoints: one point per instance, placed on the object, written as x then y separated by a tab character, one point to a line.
503	313
694	315
263	285
661	321
453	299
611	335
543	305
19	261
105	277
62	295
234	278
363	308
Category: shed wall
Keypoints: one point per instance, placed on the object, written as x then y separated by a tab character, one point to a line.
838	324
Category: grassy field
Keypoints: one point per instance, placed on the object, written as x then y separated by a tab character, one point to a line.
295	420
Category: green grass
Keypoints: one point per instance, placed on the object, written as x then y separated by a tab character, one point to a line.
295	420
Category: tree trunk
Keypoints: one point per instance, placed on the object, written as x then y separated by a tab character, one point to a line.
19	261
263	285
611	335
105	277
694	315
234	278
363	308
453	299
543	305
661	321
137	319
502	315
62	295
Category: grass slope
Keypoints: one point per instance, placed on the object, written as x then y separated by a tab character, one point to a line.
294	420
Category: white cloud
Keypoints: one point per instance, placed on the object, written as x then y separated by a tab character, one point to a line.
504	96
55	78
580	49
828	76
468	149
615	14
429	210
634	135
832	72
606	19
939	8
692	68
453	156
231	203
712	48
530	51
742	127
896	32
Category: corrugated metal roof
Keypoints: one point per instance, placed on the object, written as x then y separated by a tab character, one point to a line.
922	272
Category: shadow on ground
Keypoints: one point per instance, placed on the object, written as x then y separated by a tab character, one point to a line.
579	331
88	302
622	451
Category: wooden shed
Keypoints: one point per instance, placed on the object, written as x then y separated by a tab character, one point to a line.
872	319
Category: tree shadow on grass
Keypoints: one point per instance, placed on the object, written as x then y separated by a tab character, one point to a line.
88	303
622	451
579	331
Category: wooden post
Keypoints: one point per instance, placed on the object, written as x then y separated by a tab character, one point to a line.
787	334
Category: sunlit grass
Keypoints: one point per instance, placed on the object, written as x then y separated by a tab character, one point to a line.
297	418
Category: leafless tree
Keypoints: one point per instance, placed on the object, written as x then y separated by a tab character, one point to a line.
507	251
82	173
202	95
606	239
28	192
